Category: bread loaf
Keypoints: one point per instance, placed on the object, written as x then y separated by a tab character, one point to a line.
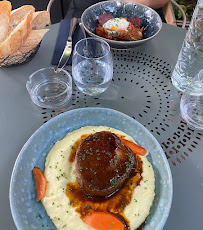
5	11
40	20
17	36
19	13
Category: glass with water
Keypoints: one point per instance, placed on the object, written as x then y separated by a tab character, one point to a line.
92	66
191	105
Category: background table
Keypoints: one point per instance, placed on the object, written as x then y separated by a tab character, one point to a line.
142	89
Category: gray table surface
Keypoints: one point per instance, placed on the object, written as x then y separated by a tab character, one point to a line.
141	88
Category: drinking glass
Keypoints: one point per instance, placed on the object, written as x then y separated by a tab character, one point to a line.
191	105
92	66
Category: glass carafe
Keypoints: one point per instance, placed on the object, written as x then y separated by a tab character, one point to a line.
190	59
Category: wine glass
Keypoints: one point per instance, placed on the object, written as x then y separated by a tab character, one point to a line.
92	66
191	105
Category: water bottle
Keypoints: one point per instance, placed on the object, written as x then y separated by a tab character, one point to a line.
190	59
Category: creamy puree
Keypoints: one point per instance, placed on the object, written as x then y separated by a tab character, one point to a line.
59	171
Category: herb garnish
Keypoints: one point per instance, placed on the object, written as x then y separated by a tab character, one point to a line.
114	180
123	205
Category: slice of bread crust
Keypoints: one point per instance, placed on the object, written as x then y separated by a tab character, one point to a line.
32	40
40	20
17	36
5	11
19	13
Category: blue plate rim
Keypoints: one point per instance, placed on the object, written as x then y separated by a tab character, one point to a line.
164	218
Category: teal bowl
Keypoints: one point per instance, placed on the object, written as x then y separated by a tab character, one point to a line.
28	214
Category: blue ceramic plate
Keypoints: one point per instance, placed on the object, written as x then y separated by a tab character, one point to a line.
29	214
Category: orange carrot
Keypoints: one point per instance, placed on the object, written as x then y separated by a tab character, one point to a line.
103	221
134	147
40	181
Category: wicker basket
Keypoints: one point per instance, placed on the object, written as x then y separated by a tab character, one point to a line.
17	60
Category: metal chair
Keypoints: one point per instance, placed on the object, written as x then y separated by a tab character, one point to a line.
49	5
169	13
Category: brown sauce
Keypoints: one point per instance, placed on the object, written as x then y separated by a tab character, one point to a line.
103	164
115	205
75	146
77	143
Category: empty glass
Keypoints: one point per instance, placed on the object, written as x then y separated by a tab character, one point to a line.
191	105
92	66
48	88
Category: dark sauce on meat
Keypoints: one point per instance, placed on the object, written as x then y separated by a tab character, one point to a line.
115	204
75	146
103	164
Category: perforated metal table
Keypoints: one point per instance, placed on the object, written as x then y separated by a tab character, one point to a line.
142	89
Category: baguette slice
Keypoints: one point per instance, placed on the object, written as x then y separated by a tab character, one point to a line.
5	11
17	36
40	20
19	13
32	41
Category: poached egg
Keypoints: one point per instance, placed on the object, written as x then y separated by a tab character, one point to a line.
116	24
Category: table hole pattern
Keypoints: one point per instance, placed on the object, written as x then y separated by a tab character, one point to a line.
142	88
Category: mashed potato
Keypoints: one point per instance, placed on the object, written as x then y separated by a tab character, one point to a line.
59	171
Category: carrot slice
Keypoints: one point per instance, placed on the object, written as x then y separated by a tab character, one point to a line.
40	181
103	221
134	147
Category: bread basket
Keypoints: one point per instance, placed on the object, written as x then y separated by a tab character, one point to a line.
21	32
19	59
